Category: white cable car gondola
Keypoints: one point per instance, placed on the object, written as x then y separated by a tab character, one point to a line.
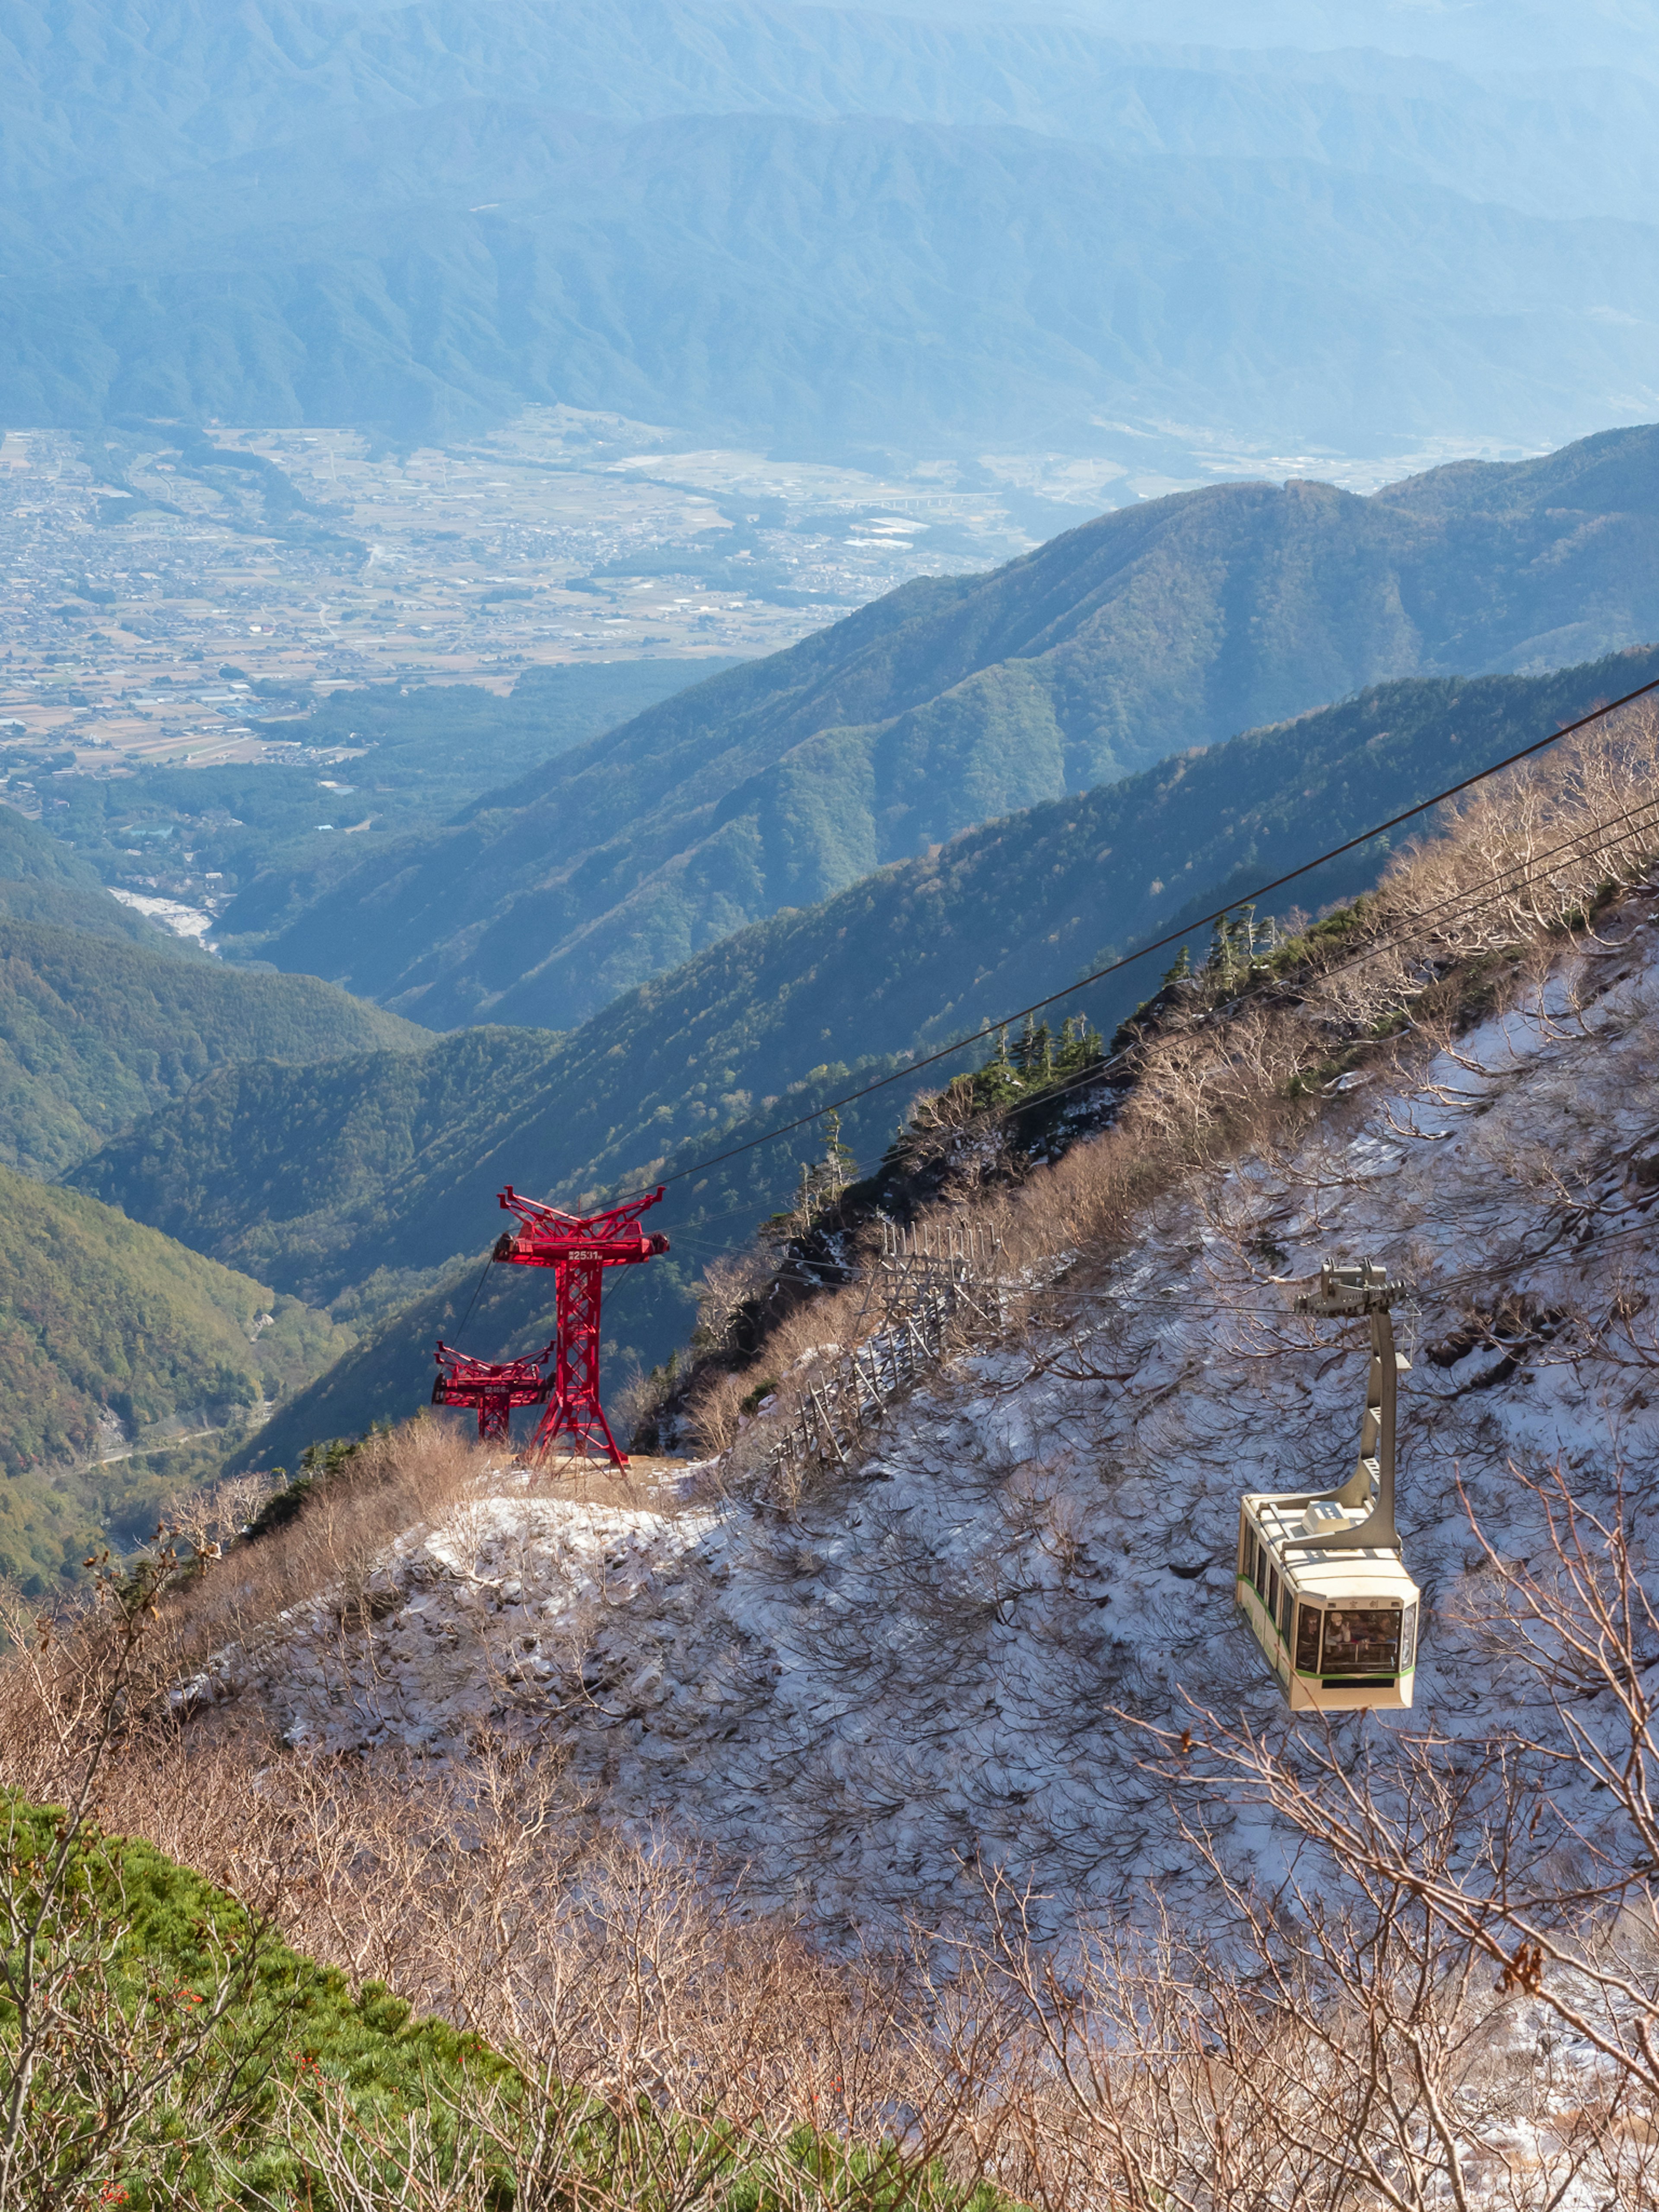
1321	1579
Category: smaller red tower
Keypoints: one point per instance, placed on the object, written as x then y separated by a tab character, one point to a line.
579	1250
495	1387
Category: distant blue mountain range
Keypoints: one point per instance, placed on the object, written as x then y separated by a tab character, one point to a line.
815	228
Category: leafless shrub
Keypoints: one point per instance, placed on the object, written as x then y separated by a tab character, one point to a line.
105	2077
405	1480
203	1521
1369	2034
725	1288
714	1409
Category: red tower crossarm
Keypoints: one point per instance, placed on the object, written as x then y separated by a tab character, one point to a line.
494	1387
579	1248
547	1237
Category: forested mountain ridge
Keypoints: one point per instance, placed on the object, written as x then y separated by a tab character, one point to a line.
95	1032
953	701
42	878
331	1176
319	1177
115	1342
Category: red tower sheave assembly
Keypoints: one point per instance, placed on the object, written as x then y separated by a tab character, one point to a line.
579	1250
495	1387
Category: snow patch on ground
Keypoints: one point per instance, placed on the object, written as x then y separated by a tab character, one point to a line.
931	1662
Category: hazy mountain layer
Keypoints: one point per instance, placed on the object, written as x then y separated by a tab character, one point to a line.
160	87
833	286
953	701
812	226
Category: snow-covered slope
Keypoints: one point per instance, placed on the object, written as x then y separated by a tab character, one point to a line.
929	1662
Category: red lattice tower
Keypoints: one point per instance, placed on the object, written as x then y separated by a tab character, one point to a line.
578	1251
495	1387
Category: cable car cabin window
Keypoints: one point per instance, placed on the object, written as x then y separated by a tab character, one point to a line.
1362	1640
1273	1593
1261	1565
1307	1640
1287	1613
1408	1640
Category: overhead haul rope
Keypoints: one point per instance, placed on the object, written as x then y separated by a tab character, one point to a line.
1493	888
1466	901
1160	944
477	1287
1469	899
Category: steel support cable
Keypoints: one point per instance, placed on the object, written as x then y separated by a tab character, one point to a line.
1433	914
460	1328
1468	1279
1161	944
1396	939
1520	869
1423	917
1447	1286
1484	891
1490	890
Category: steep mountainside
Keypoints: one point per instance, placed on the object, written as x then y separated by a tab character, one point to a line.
95	1033
861	1680
951	701
335	1178
682	209
346	1183
43	879
116	1343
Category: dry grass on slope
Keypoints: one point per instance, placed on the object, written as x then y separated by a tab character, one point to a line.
1400	2029
1396	2029
1240	1060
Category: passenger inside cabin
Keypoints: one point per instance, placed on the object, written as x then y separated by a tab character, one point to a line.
1361	1640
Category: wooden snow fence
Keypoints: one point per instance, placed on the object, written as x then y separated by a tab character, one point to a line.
936	1287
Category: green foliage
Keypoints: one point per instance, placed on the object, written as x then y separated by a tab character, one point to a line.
257	2051
153	1944
321	1463
95	1033
115	1340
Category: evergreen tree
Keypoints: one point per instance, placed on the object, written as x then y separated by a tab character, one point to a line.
1080	1045
1232	945
839	1165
